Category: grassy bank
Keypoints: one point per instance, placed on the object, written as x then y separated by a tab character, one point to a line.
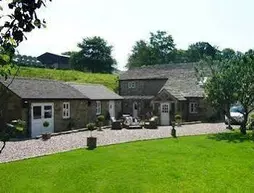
108	80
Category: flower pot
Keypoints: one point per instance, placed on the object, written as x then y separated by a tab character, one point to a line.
46	136
91	142
173	132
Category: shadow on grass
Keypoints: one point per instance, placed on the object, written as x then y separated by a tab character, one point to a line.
233	137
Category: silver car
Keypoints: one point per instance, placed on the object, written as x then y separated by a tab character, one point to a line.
237	114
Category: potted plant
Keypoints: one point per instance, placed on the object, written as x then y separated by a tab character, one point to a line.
100	121
19	128
91	141
46	136
178	119
173	130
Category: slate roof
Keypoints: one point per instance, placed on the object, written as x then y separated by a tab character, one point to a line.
139	97
96	91
183	88
52	54
181	78
156	72
27	88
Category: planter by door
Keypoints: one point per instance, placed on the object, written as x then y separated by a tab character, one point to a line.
165	120
40	113
112	108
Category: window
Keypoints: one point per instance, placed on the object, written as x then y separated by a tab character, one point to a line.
165	108
37	112
47	112
131	85
98	107
193	108
66	110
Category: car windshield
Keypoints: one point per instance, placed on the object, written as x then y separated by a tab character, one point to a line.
237	109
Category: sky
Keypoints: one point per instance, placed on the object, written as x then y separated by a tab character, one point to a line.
224	23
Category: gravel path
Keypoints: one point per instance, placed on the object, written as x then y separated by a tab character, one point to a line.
36	147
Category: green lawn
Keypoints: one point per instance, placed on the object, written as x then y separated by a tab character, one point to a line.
108	80
216	163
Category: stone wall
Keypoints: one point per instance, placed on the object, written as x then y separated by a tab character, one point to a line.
203	113
104	109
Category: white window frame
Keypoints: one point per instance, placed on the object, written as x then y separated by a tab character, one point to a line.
193	107
98	107
66	110
132	84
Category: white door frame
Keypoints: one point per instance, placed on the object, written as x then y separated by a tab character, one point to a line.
37	127
111	108
165	113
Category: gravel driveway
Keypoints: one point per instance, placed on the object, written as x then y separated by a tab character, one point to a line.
36	147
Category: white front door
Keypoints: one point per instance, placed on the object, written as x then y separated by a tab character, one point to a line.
135	109
42	113
165	113
112	108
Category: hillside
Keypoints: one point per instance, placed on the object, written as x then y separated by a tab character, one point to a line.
109	80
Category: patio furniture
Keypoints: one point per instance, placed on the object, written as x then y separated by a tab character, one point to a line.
152	123
116	124
131	123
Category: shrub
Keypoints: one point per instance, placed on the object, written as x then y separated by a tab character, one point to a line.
90	126
100	118
178	117
19	124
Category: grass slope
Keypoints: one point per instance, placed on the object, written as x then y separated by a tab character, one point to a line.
221	163
108	80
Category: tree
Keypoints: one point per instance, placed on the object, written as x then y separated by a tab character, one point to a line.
162	46
141	55
244	72
231	81
181	56
201	50
22	19
94	55
160	49
221	87
227	54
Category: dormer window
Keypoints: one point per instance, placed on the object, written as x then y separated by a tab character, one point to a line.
131	84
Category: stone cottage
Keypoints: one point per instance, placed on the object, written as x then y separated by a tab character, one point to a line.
37	101
164	90
102	101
